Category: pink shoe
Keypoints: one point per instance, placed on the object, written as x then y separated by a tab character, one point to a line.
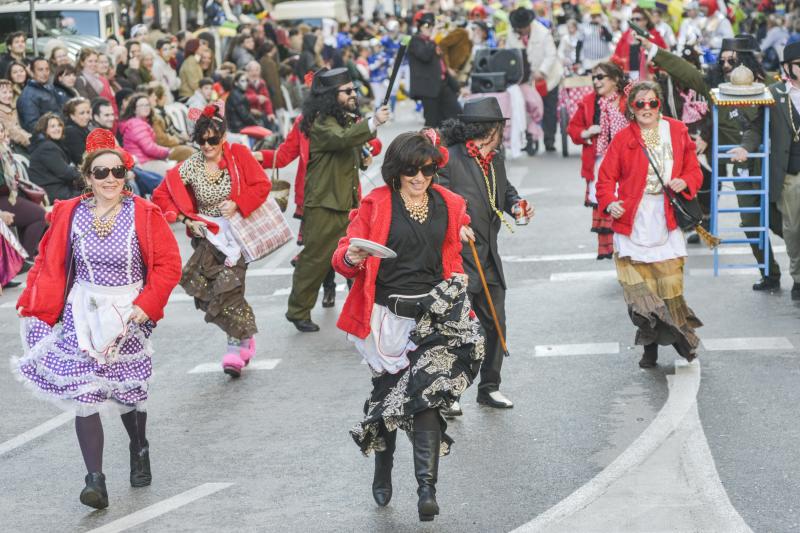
232	364
247	353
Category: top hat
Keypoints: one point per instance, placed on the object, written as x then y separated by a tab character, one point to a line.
735	44
484	109
792	52
334	77
521	18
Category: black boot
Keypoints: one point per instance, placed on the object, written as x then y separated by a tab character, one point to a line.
650	356
140	466
329	296
426	469
382	482
94	494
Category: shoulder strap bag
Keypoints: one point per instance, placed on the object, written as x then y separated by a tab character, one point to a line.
688	213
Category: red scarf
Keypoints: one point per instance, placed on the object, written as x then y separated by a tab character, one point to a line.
475	152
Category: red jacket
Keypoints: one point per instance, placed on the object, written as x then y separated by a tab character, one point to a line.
582	119
372	221
253	92
249	187
622	54
623	173
296	145
47	282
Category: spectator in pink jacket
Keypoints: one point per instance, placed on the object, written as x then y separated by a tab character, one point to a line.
139	138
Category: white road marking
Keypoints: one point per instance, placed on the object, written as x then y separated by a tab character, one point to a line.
267	271
162	507
256	364
747	343
36	432
583	276
532	190
733	250
595	348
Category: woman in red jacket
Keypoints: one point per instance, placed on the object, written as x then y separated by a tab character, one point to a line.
629	53
204	192
598	119
105	270
396	313
644	158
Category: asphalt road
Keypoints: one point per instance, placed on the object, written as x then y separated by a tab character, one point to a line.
271	451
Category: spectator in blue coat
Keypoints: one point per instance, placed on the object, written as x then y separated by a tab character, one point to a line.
38	97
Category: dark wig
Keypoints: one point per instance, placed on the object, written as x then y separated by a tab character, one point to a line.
613	71
408	151
321	103
208	126
456	132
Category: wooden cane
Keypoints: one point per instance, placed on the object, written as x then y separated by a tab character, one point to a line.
489	298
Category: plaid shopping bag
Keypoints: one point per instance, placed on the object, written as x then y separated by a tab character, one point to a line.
263	232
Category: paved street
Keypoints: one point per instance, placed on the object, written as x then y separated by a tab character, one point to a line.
593	443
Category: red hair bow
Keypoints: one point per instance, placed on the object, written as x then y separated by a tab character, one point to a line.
436	140
102	139
309	78
212	110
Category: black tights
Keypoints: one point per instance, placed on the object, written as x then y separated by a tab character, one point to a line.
427	420
90	436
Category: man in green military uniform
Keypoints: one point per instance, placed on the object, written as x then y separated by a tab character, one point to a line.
737	126
336	140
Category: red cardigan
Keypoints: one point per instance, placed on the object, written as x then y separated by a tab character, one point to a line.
623	173
581	120
47	282
249	187
372	221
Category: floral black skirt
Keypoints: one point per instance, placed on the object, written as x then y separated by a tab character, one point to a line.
450	348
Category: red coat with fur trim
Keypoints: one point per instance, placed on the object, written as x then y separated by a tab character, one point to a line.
372	221
47	283
580	121
623	173
249	187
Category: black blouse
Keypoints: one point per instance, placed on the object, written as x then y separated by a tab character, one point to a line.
418	266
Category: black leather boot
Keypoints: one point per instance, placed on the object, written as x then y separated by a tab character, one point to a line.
650	356
329	296
140	466
94	494
382	482
426	470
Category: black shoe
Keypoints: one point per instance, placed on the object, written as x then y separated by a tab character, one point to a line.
796	291
453	411
649	357
532	147
426	470
550	148
12	284
767	284
329	296
304	325
494	399
94	494
382	481
140	466
693	238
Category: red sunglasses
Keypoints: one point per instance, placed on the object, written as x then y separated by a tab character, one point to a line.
650	104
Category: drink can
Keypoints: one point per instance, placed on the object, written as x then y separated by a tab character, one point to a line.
521	216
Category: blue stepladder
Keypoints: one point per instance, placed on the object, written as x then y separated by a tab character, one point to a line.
719	156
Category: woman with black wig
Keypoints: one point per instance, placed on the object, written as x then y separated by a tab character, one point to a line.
409	317
204	192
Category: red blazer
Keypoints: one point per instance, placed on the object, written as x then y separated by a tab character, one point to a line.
372	221
582	119
253	92
249	187
47	282
623	173
622	54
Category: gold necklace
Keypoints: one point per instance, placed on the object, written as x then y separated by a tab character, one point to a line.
103	225
213	176
418	211
652	138
491	191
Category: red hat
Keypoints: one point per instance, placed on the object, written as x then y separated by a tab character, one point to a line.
102	139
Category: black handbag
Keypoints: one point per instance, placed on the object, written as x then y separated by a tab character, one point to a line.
688	213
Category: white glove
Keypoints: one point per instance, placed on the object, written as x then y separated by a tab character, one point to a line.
591	131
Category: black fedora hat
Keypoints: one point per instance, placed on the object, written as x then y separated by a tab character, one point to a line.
484	109
521	18
326	80
736	44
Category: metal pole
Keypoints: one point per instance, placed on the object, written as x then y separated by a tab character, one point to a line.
33	28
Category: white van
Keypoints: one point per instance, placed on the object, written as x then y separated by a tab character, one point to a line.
57	18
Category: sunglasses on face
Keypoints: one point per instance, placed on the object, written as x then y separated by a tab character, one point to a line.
650	104
729	61
598	77
351	90
101	173
211	141
427	170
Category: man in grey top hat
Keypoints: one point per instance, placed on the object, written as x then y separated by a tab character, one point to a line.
476	171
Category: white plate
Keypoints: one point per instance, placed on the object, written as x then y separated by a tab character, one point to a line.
374	248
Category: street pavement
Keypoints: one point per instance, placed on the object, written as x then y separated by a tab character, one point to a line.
593	443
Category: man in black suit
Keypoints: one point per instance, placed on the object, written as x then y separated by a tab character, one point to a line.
476	171
430	80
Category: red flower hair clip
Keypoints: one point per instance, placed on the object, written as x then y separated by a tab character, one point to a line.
214	110
102	139
436	140
309	78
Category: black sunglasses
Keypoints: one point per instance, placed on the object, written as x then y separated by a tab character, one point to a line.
351	90
652	104
211	141
599	77
729	61
427	170
101	173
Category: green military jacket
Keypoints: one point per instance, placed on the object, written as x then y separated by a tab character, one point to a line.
333	164
735	123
